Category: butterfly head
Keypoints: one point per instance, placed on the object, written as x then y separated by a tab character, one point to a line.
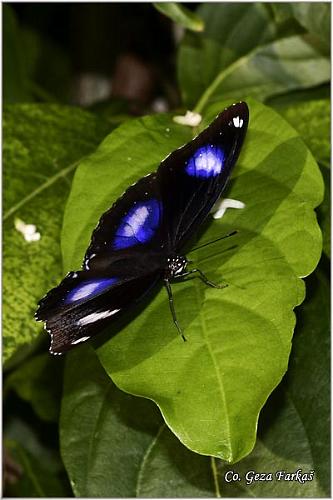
176	266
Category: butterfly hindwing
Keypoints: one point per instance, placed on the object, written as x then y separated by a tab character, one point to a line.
85	303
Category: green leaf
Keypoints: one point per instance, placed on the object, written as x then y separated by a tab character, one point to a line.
202	57
36	480
314	17
282	11
211	389
42	145
33	445
37	437
104	433
39	381
180	15
171	470
321	92
281	66
258	63
312	120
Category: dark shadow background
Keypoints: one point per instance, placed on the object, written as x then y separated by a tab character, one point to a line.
92	53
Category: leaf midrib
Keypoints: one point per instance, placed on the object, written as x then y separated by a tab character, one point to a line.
61	173
97	426
215	365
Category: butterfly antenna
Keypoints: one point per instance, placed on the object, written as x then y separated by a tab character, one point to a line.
214	241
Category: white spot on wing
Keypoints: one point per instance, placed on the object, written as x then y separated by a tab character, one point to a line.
91	318
78	341
238	122
222	205
28	230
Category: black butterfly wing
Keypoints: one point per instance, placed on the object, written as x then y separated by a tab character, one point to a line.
85	302
134	223
193	177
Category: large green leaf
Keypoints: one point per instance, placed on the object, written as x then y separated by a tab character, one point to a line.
103	429
211	389
41	148
220	64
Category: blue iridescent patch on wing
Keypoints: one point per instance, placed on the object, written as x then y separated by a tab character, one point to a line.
139	225
88	289
206	162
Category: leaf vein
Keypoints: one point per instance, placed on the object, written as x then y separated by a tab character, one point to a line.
62	173
145	458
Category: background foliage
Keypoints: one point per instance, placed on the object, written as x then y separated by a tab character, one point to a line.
68	429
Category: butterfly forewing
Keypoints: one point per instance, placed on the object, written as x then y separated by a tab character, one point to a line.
133	223
193	177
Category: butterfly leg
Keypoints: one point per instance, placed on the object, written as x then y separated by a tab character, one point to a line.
203	277
172	308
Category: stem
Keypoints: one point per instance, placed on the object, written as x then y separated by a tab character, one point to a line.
218	80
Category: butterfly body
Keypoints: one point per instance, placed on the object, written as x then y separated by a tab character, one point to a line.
140	240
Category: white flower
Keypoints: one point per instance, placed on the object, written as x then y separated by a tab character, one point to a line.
28	230
190	118
222	204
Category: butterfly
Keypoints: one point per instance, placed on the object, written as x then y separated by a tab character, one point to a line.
139	240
